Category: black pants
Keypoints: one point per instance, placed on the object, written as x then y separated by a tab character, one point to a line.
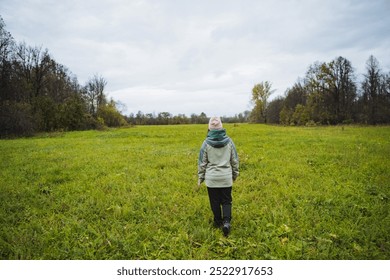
221	203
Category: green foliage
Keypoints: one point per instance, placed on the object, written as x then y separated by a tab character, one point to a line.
329	94
301	115
110	115
260	95
16	119
303	193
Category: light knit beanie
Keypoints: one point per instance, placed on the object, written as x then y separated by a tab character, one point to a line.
215	123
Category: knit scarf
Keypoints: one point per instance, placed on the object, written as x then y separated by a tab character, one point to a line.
217	138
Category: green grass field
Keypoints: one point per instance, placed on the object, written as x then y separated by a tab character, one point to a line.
303	193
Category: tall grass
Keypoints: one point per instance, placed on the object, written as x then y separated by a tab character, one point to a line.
303	193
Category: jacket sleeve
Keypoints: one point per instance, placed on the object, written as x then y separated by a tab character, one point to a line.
234	161
202	162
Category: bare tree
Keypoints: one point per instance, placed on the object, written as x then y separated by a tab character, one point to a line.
7	46
371	89
342	88
94	92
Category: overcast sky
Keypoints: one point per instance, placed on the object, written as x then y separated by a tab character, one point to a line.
200	55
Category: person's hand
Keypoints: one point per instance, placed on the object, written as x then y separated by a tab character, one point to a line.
197	188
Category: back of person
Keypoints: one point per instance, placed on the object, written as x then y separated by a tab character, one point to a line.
218	167
219	173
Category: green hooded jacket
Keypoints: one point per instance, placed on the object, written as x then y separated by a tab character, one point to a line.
218	160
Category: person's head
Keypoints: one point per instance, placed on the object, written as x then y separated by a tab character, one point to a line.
215	123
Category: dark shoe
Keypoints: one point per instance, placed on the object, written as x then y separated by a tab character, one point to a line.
226	228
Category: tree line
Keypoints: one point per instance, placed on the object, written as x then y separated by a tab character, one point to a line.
39	94
328	94
164	118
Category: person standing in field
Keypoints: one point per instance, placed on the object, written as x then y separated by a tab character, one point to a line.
218	166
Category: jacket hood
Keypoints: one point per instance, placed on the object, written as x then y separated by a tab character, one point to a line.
217	138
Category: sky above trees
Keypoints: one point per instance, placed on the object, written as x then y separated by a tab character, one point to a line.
199	56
